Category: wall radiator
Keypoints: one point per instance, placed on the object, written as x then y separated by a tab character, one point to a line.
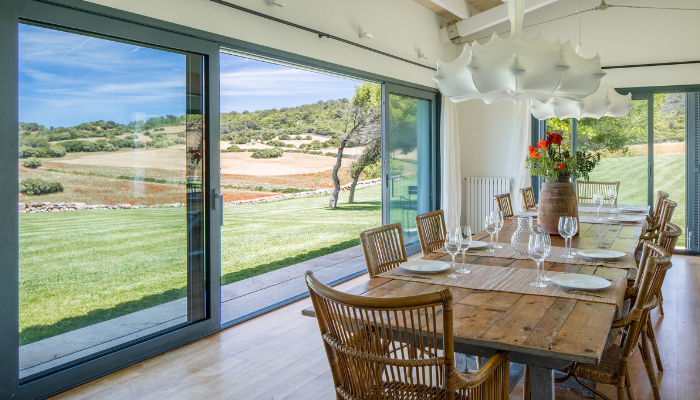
479	199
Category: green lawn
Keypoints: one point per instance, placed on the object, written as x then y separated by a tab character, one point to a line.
81	268
669	176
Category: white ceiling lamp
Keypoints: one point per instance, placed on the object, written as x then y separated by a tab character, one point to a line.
518	68
605	102
276	3
364	34
422	56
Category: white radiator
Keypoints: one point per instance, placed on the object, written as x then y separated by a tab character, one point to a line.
479	199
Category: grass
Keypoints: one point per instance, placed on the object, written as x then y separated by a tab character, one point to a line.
669	176
81	268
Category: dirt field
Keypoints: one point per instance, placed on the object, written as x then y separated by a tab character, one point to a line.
289	164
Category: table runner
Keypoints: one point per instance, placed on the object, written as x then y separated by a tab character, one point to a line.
512	280
626	262
606	209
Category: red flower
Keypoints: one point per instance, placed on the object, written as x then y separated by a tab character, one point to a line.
533	152
542	144
556	138
560	166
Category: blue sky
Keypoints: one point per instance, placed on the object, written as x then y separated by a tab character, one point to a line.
66	79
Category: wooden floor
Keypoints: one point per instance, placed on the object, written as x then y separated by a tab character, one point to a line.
280	356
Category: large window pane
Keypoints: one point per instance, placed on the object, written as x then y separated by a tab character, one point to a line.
409	161
669	152
111	204
623	145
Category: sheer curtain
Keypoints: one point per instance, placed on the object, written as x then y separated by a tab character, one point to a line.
451	187
522	128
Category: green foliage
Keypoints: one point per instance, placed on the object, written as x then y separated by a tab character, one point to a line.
36	186
552	162
232	149
308	137
279	143
403	133
373	171
284	136
32	162
268	153
26	152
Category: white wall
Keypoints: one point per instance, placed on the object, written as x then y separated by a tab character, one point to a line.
620	36
400	27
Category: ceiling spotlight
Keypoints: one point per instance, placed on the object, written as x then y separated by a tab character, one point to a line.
365	34
278	3
422	56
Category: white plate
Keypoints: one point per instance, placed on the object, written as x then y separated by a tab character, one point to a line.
478	245
526	214
600	254
632	209
580	281
425	266
627	218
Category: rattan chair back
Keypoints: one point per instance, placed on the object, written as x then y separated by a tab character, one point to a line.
669	237
398	348
383	248
528	198
586	190
660	198
504	205
431	231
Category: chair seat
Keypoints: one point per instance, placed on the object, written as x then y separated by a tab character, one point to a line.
401	390
606	371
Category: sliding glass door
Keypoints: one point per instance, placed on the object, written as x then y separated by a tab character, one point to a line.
408	157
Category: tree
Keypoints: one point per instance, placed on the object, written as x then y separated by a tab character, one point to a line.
370	155
361	120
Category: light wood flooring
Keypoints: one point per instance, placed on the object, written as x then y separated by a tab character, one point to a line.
280	356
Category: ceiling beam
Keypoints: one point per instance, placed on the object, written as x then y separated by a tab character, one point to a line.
486	19
451	10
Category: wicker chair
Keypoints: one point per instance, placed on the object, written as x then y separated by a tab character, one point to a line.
431	231
651	233
653	219
528	198
613	367
389	348
504	205
383	248
586	190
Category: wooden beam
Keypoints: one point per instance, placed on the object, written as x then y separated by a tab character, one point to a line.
484	5
451	10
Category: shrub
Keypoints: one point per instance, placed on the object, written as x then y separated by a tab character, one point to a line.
179	140
130	137
158	144
32	162
58	150
268	153
232	149
297	137
73	146
308	137
36	186
26	152
330	154
285	136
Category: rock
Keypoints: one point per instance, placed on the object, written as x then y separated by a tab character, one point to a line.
80	206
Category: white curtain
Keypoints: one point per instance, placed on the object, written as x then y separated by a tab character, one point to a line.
522	128
451	193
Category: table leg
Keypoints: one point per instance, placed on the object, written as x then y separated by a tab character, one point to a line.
541	383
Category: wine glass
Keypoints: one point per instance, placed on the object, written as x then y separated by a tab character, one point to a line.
566	226
539	247
612	195
499	219
452	246
464	233
491	224
574	230
597	202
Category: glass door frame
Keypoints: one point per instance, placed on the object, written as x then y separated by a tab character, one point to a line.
85	17
434	98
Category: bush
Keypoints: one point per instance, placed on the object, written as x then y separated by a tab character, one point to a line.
73	146
232	149
330	154
308	137
32	162
285	136
297	137
36	186
26	152
58	150
158	144
268	153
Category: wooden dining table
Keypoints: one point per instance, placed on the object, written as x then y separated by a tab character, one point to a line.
542	331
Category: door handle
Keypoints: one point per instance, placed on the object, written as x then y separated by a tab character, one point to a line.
649	170
219	199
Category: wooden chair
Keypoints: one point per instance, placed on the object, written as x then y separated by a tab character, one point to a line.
431	231
528	198
383	248
587	189
651	233
504	205
660	198
391	348
613	367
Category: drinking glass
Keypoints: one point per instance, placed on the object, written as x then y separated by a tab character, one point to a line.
574	230
499	226
491	224
538	248
597	202
464	233
452	246
567	231
612	195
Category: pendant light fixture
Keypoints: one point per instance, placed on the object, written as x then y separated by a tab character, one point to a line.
605	102
518	68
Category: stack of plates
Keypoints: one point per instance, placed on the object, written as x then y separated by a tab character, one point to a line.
600	254
634	209
580	282
627	218
425	266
